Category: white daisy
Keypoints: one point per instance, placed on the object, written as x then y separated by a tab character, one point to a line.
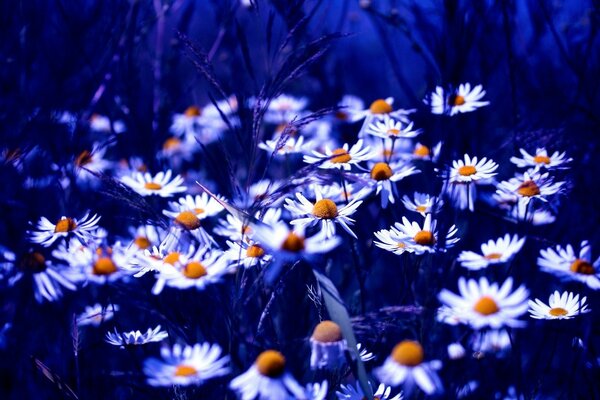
283	146
146	236
456	101
160	185
493	252
340	158
136	338
423	152
389	128
541	159
96	314
481	304
383	175
285	108
565	306
526	187
186	365
236	229
102	123
472	170
83	229
267	379
323	211
490	341
350	392
406	366
247	254
363	353
92	161
564	263
349	105
327	346
379	109
176	150
423	203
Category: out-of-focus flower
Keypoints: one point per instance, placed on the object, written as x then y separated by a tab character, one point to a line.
490	341
354	392
160	184
392	129
382	177
96	314
247	254
267	379
564	263
350	105
317	391
235	229
327	346
186	365
423	152
378	110
406	366
146	236
481	304
135	338
423	203
102	123
340	158
456	351
456	101
541	159
83	229
493	252
287	145
91	161
560	306
284	109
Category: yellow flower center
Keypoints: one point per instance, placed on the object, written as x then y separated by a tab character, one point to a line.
381	172
34	262
467	170
152	186
327	332
457	100
255	251
192	111
293	243
394	132
421	151
400	245
171	258
84	158
380	106
493	256
194	270
142	242
541	159
341	156
486	306
65	225
408	353
185	370
424	238
171	143
104	266
198	210
528	189
580	266
270	363
421	209
187	220
325	209
558	312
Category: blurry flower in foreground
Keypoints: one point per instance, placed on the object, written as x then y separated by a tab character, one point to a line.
422	152
406	365
529	186
349	105
186	365
456	101
135	338
560	306
327	346
493	252
564	263
481	304
91	161
96	314
456	351
160	185
350	392
267	379
423	203
47	232
236	229
340	158
284	109
101	123
490	341
317	391
383	176
323	211
541	159
410	237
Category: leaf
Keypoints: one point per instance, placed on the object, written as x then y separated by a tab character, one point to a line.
339	314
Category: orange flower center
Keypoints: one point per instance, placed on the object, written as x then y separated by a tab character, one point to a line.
152	186
394	132
467	170
65	225
421	209
408	353
142	242
421	151
325	209
194	270
558	312
171	143
493	256
293	243
424	238
580	266
34	262
171	258
187	220
192	111
270	363
327	332
528	189
541	159
104	266
84	158
255	251
380	106
341	156
381	172
185	370
486	306
456	100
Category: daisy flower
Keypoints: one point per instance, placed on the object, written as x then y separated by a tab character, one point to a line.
102	123
349	106
267	379
186	365
247	254
340	193
406	366
92	161
529	186
490	341
391	129
423	203
238	230
423	152
456	101
284	109
363	353
456	351
565	263
175	150
47	233
472	170
135	338
146	236
379	109
560	306
96	314
188	211
350	392
340	158
481	304
383	175
282	146
493	252
327	346
160	185
540	159
323	211
205	267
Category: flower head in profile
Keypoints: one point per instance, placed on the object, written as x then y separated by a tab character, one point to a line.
493	252
84	229
285	145
247	254
569	265
96	314
423	203
560	306
341	158
461	100
529	186
186	365
355	392
541	159
160	184
327	346
391	129
383	176
480	304
135	338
